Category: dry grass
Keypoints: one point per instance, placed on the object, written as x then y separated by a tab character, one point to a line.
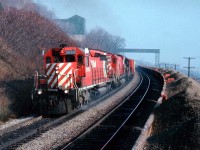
23	34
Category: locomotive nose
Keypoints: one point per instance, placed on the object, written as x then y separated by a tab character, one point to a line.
51	72
65	75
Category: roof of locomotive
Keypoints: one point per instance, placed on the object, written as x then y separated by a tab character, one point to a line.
64	47
97	50
82	49
120	55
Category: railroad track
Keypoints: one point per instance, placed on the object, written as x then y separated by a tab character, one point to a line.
16	126
13	139
103	132
19	136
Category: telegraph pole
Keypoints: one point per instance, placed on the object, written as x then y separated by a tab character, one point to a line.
165	66
175	66
189	58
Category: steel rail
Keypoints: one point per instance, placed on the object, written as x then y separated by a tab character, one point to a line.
19	125
105	116
112	137
35	131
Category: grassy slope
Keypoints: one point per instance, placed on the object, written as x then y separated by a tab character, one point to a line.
22	36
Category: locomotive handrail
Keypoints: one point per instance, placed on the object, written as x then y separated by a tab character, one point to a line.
41	76
36	80
75	78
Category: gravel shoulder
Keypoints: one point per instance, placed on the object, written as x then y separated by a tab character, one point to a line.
13	122
65	132
177	121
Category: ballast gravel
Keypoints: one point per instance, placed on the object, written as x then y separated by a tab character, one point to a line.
13	122
67	131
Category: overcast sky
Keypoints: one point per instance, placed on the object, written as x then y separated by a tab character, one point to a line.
173	26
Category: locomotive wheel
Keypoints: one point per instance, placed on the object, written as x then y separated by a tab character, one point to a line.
68	104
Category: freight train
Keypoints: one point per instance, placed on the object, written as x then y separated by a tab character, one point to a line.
73	76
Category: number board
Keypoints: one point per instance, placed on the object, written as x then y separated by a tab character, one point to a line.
71	52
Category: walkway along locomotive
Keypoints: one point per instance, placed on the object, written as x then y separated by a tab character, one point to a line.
73	76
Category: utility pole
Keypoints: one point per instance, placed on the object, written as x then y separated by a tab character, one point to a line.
165	66
189	58
175	66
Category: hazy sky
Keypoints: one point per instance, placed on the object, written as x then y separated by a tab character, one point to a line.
173	26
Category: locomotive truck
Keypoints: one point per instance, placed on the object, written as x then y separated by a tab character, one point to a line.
73	76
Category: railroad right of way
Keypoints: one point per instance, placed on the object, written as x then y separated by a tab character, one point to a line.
74	126
121	127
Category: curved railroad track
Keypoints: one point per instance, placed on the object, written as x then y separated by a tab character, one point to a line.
103	132
14	138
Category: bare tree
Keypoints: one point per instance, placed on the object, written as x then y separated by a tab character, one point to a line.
24	33
27	5
14	3
99	38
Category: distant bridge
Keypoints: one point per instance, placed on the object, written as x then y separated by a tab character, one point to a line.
155	51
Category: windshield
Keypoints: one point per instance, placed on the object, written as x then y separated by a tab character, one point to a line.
70	58
58	59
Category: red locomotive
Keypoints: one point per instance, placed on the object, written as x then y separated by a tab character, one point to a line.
74	76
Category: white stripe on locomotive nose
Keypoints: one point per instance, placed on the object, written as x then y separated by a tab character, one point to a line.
65	78
51	77
47	65
50	69
68	84
65	69
60	65
54	82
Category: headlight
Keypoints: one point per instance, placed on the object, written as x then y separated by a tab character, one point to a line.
66	91
39	92
57	72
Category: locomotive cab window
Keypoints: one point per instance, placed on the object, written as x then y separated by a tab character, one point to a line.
103	57
70	58
48	60
58	59
127	62
114	60
80	59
